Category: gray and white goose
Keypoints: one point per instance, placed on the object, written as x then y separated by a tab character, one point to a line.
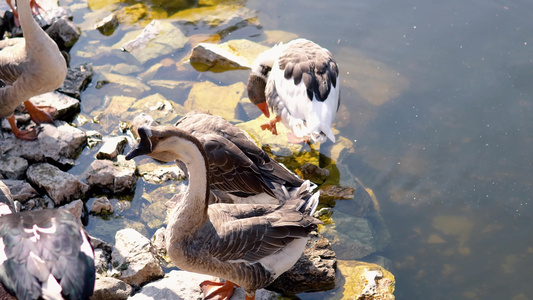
44	254
239	171
29	68
249	245
299	81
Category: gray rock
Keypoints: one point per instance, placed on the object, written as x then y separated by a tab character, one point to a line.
93	138
107	25
109	288
132	256
102	255
112	177
102	205
66	107
183	285
59	142
60	186
313	272
21	190
112	147
13	167
75	208
64	32
77	80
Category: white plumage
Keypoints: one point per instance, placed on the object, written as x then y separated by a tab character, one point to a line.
299	82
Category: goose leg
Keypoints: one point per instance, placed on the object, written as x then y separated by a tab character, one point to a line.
271	125
41	114
214	290
28	135
292	138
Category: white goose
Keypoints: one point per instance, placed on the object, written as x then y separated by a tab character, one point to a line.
240	171
44	254
247	244
299	81
31	67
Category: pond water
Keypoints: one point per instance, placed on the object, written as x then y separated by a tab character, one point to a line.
437	96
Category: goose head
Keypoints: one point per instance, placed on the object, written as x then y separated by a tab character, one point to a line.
256	91
165	143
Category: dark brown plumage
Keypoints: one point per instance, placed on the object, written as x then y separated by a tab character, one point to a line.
239	170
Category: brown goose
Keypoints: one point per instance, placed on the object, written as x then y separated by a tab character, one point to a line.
240	171
44	254
247	244
299	81
29	68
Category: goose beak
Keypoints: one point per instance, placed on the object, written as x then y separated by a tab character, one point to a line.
144	146
264	108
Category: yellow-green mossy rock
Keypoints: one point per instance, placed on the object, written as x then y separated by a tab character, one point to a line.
154	215
366	281
158	38
217	100
132	14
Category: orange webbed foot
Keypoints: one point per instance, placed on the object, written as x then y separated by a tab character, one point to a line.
214	290
271	125
292	138
27	135
40	114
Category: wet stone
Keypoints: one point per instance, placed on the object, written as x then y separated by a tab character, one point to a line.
21	190
13	167
77	80
331	192
112	147
64	32
313	272
107	25
133	257
366	281
60	186
66	107
75	208
112	177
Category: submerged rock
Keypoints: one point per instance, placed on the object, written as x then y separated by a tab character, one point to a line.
203	94
107	25
60	186
157	39
132	256
102	205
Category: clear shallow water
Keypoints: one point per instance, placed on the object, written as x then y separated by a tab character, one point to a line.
445	144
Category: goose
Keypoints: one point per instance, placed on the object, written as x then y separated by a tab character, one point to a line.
239	171
30	67
44	254
299	82
248	245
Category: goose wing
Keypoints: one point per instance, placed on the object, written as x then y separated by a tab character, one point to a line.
253	232
45	247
